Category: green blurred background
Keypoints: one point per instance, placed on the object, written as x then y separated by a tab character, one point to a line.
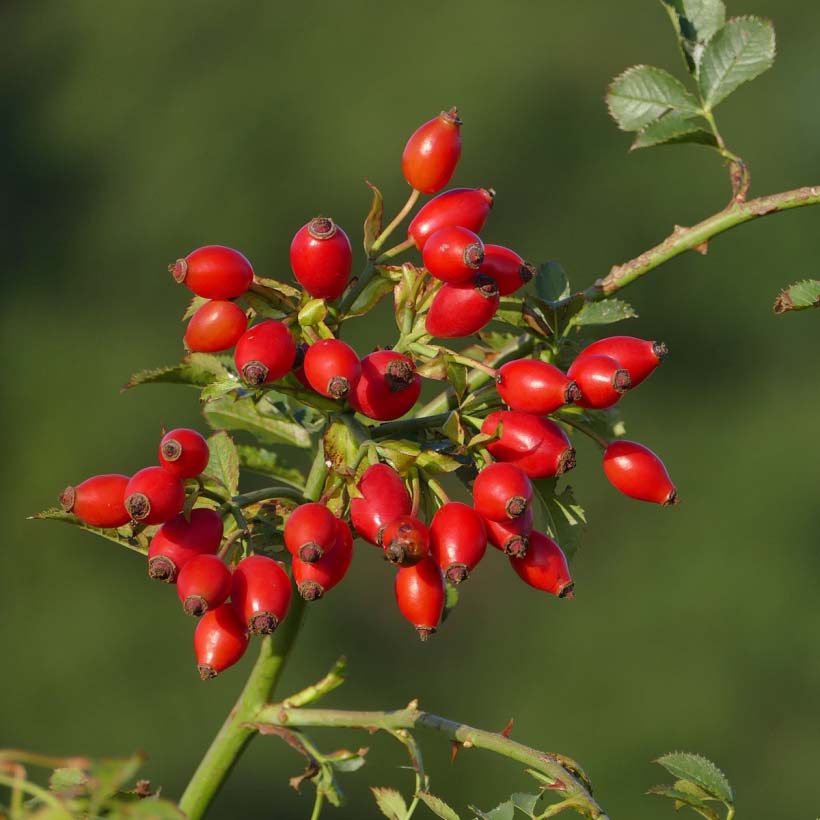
134	132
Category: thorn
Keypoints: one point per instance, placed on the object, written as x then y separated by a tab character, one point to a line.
413	705
703	248
454	751
507	730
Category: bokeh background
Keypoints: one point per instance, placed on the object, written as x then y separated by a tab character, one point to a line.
134	132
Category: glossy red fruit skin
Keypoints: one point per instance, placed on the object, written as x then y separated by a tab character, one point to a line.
388	387
384	498
545	567
458	540
183	453
420	594
98	501
502	492
453	254
508	269
316	579
534	444
214	272
154	496
220	640
260	593
332	368
638	472
406	541
468	207
321	258
533	386
430	157
460	310
511	537
637	356
601	380
217	325
204	583
177	542
310	532
265	353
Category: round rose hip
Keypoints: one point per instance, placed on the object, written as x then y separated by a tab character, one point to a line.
321	258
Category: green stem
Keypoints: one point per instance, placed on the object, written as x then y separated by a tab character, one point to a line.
469	737
266	493
353	292
687	239
407	245
310	694
234	735
36	791
401	429
586	430
317	805
315	482
397	220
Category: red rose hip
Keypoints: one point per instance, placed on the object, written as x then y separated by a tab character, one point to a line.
260	593
533	386
204	583
321	258
601	379
406	541
637	356
98	501
463	309
388	386
384	498
178	541
637	472
314	580
432	153
332	368
220	640
545	567
154	496
458	540
265	353
310	532
216	326
502	492
467	207
511	537
420	595
508	269
453	254
183	453
214	272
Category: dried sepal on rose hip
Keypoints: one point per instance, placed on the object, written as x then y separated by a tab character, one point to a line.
216	326
314	580
332	368
453	254
321	258
260	593
420	594
203	583
638	357
431	155
406	541
265	353
545	567
180	540
214	272
383	499
639	473
183	453
310	532
98	501
601	379
462	309
467	207
533	386
154	496
388	386
220	640
458	540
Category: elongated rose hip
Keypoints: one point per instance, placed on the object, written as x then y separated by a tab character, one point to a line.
467	207
220	640
511	537
260	593
384	498
637	472
545	567
214	272
179	541
183	453
98	501
601	379
508	269
420	595
432	153
502	492
154	496
458	540
453	254
533	386
463	309
637	356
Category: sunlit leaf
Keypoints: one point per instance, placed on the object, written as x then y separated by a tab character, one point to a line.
267	426
700	771
390	802
197	369
437	806
674	129
644	93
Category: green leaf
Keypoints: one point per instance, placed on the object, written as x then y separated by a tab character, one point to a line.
194	305
267	462
457	377
138	542
374	291
390	802
221	387
404	454
525	802
674	129
312	312
107	776
684	798
700	771
696	22
198	369
261	419
148	808
341	447
373	222
551	282
68	782
643	93
799	296
223	463
505	811
563	517
605	312
742	50
451	596
263	306
437	806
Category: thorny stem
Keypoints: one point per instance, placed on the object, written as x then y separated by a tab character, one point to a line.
397	220
469	737
687	239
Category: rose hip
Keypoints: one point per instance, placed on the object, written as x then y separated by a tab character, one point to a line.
508	269
214	272
179	541
432	153
183	453
637	356
388	387
637	472
260	593
220	640
384	498
545	567
310	532
154	496
406	541
533	386
453	254
321	258
420	594
463	309
467	207
511	537
314	580
216	326
332	368
204	583
502	492
98	501
265	353
601	379
458	540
